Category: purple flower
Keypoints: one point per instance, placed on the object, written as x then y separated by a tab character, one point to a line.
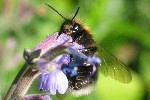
52	78
55	67
53	81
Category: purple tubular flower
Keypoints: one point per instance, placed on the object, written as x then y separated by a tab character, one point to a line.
54	72
52	78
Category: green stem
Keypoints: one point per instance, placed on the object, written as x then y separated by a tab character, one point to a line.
21	83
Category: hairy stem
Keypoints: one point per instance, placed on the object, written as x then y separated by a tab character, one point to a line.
21	83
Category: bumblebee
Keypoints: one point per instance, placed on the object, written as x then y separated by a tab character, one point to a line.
109	66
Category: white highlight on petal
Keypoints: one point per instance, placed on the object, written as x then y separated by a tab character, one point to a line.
62	82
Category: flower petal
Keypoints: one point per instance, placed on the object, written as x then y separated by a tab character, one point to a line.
62	59
64	37
48	42
62	82
93	60
40	82
53	81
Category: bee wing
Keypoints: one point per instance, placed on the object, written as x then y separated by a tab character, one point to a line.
111	66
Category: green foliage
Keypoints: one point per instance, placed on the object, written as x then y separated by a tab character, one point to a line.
120	26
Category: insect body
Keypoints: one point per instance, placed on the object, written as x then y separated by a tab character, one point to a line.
110	65
80	35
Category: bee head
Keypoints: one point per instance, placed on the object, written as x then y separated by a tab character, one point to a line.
70	27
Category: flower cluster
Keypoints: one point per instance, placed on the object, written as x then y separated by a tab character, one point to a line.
55	62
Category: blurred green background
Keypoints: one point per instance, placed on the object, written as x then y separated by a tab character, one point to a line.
121	26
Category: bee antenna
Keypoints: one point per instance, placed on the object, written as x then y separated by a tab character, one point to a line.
76	13
55	11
